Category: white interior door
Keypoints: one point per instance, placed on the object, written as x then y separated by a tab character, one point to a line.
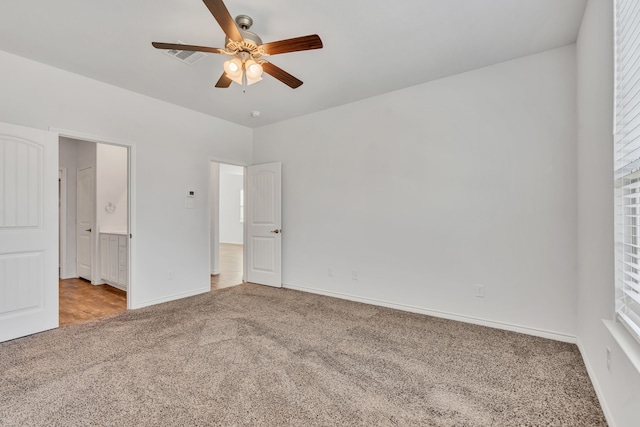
84	221
264	224
28	231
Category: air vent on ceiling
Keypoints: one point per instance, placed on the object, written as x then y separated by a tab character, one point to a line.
186	56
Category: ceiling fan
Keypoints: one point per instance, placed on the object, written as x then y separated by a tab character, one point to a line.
247	50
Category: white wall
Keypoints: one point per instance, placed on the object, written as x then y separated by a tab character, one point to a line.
68	158
111	187
231	182
428	191
173	146
619	390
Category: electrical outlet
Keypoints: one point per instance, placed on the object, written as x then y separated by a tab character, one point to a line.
479	291
354	275
330	272
170	275
608	359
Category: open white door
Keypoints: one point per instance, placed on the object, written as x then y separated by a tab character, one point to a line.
264	222
84	222
28	231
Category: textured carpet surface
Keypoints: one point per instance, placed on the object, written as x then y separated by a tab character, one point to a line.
253	355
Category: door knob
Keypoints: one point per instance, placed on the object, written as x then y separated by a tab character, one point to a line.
89	230
277	231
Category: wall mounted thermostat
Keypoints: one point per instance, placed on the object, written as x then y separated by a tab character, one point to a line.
191	193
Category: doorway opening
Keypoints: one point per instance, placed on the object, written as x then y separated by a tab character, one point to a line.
94	230
227	225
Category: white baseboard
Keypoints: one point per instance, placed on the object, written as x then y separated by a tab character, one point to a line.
215	272
445	315
68	277
596	385
171	298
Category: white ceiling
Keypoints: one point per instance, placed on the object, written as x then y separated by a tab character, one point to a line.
370	46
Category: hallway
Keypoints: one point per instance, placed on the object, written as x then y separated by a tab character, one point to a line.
230	267
80	301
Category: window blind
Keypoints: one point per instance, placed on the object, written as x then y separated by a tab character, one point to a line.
627	163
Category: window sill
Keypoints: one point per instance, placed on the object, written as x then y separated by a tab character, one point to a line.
629	346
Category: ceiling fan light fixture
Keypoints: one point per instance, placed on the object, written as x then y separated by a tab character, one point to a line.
233	69
253	71
251	81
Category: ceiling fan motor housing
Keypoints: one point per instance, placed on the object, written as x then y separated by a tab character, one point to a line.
244	23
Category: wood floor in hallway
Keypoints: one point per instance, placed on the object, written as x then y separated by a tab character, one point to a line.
80	301
230	267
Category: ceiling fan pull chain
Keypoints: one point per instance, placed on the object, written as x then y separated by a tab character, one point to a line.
244	79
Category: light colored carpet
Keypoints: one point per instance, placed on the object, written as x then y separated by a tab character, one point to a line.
253	355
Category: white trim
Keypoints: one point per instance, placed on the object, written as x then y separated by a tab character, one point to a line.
557	336
245	255
62	221
213	198
131	191
132	244
173	297
90	137
608	415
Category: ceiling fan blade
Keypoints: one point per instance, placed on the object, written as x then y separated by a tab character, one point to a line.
223	81
281	75
178	46
224	18
293	45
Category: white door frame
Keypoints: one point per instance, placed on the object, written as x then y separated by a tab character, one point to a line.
62	222
215	269
131	195
213	207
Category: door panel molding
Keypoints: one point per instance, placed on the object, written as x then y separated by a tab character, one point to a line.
28	231
263	223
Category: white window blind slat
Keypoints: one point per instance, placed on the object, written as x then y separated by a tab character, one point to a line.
627	164
635	256
631	245
635	287
629	153
627	184
631	322
627	108
627	168
633	295
627	20
633	275
625	17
